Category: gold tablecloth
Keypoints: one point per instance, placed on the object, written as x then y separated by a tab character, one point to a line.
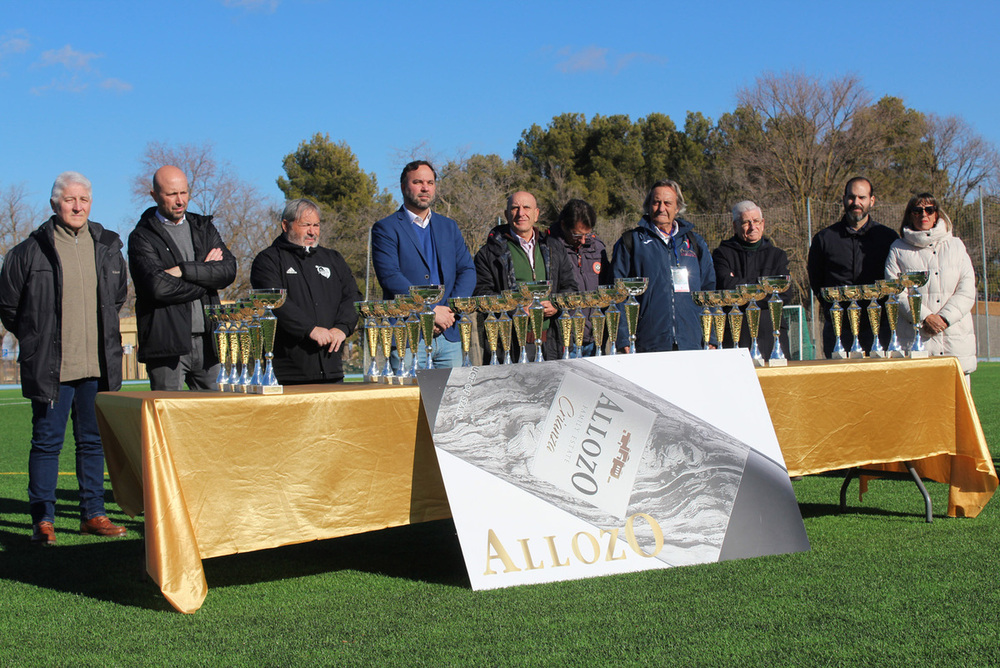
219	474
833	415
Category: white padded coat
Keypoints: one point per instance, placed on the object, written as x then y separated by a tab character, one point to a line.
950	290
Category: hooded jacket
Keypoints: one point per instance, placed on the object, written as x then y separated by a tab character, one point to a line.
321	293
666	317
31	284
590	265
163	302
950	290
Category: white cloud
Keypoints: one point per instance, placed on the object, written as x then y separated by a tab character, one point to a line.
14	41
599	59
71	85
68	57
116	85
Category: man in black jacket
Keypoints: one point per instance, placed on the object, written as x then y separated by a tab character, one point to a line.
60	293
852	251
318	313
744	258
520	252
178	263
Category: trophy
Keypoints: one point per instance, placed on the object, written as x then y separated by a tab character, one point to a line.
634	286
579	320
853	292
491	325
598	319
220	341
232	313
914	280
612	315
384	329
506	302
536	291
754	293
462	306
564	321
370	326
776	285
734	299
700	298
267	299
872	293
244	313
834	296
398	309
252	312
890	289
412	324
427	296
714	298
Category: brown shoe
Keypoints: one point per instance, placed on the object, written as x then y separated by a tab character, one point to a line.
100	526
43	533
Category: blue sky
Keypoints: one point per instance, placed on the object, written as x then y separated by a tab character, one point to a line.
86	85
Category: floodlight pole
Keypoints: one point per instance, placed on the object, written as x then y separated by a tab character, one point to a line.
986	273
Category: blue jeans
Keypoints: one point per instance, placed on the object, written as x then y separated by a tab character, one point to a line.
48	431
445	353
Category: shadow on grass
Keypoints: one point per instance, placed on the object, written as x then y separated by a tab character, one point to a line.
810	510
426	552
114	570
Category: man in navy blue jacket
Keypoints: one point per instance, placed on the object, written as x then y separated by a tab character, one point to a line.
666	250
414	246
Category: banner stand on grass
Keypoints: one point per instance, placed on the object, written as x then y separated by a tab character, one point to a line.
572	469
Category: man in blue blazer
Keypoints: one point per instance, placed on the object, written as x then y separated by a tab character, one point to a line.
415	247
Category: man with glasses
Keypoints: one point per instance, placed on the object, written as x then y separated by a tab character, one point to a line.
852	251
573	233
743	259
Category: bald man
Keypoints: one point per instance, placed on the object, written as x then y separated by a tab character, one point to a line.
520	252
178	264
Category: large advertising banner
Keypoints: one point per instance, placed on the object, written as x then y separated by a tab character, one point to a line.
571	469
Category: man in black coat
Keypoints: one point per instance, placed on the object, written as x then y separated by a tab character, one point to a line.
744	258
60	293
178	264
318	313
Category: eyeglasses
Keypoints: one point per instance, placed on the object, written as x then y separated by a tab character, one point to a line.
924	209
582	237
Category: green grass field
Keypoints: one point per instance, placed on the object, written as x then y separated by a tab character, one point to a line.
879	587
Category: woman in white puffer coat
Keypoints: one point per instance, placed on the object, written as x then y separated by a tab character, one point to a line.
927	244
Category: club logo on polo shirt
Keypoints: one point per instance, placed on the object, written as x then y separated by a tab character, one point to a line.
323	271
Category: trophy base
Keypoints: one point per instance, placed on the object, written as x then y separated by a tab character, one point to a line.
759	361
877	354
838	355
778	362
918	354
898	354
270	389
856	355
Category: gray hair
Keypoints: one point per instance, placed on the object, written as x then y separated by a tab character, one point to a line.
294	207
666	183
66	179
742	207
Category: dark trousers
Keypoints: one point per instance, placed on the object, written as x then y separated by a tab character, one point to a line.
48	431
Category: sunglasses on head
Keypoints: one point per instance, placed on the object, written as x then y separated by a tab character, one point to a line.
925	209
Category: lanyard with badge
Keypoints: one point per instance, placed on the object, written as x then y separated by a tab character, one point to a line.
678	274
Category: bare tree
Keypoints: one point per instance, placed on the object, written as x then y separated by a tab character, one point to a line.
963	155
18	217
247	220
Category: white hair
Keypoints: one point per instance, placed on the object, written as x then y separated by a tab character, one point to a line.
742	207
65	179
